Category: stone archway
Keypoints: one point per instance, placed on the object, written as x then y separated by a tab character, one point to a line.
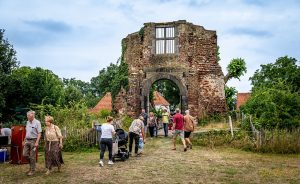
178	51
146	87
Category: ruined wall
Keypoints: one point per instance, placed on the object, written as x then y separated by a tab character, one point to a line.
194	65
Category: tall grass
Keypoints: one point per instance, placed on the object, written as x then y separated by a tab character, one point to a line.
276	141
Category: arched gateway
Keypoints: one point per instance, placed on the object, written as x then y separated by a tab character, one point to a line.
178	51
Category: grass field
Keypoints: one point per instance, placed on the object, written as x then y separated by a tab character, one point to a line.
160	164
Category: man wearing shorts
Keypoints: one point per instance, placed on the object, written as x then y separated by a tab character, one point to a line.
178	125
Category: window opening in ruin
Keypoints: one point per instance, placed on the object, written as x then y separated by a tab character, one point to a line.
165	40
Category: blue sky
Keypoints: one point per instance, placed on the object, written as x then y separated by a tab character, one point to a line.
77	38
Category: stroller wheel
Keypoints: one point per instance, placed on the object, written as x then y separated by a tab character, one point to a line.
123	158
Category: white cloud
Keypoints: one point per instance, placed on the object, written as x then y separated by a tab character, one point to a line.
258	31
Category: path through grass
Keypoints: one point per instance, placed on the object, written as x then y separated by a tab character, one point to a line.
160	164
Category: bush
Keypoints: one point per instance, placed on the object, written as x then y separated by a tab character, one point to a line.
126	122
276	141
104	113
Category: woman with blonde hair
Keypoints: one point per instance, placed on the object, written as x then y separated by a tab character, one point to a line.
53	145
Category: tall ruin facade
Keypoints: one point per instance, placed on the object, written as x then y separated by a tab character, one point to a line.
178	51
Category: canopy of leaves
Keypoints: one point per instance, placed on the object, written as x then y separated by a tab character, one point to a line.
230	94
284	69
275	99
8	62
32	86
236	69
169	90
110	79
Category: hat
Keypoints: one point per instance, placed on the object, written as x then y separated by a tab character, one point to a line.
141	118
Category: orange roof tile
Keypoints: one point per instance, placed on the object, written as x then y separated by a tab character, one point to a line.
104	103
159	99
242	99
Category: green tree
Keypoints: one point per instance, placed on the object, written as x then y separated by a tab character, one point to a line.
236	68
284	69
230	94
84	87
110	79
275	99
72	94
8	62
33	86
168	89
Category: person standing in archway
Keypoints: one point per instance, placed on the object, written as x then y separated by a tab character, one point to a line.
189	127
145	116
165	121
152	123
178	127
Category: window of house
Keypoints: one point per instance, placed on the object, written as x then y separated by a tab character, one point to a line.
165	40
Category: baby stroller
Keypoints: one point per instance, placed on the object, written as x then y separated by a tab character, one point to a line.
120	145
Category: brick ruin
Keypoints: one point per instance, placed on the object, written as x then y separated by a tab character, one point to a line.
178	51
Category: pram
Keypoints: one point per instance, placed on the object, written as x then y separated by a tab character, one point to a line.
120	145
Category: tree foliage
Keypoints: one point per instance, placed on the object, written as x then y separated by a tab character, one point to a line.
275	99
236	68
230	94
284	69
110	79
169	90
8	62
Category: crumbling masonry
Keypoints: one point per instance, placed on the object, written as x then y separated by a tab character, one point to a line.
181	52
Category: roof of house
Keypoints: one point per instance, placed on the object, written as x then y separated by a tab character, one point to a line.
104	103
159	99
242	99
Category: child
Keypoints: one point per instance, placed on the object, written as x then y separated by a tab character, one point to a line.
141	145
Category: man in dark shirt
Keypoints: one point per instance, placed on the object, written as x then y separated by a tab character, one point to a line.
178	127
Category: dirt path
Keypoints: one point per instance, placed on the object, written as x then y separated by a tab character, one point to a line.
160	164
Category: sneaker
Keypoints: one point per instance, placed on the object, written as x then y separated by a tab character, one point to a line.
30	173
101	163
185	149
110	162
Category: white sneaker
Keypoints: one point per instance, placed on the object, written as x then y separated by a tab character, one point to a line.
101	163
110	162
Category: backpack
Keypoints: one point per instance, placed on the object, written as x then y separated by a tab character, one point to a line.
189	125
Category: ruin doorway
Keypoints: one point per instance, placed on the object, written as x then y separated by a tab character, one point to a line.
160	79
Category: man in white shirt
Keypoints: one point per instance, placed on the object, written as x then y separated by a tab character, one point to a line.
31	141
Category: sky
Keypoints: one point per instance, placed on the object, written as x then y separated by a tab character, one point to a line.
78	38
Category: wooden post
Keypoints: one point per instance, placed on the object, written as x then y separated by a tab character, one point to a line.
230	124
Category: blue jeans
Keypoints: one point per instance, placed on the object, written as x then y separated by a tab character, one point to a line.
155	131
166	128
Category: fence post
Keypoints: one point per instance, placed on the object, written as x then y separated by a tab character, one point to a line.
230	124
65	130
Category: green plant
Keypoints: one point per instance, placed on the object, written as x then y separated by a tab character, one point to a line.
126	122
104	113
157	112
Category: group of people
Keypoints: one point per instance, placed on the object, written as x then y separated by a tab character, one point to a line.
151	122
182	127
53	143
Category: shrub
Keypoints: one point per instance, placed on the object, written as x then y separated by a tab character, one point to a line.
126	122
104	113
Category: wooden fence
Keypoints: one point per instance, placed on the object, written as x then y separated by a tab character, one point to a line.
87	135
